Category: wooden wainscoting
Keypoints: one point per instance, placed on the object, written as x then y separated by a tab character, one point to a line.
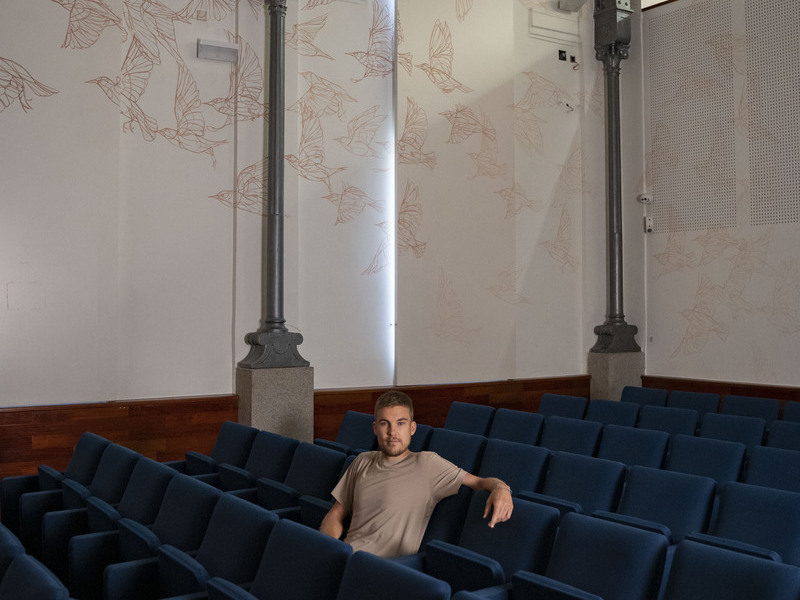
723	388
162	429
432	401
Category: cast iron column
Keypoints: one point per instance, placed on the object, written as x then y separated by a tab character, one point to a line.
612	33
273	345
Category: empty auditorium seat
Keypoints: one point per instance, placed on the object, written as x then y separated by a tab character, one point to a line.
756	520
26	578
81	468
469	418
669	502
774	467
10	546
270	456
562	405
232	446
570	435
669	419
298	563
367	577
611	412
355	434
751	406
701	572
719	459
791	411
310	510
633	446
579	483
784	434
734	428
702	402
516	426
644	396
421	438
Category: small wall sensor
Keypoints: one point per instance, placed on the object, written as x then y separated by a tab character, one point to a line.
645	198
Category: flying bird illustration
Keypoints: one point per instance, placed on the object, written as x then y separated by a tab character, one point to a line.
126	89
211	9
409	219
302	37
464	123
323	97
439	67
517	199
245	92
449	314
87	20
675	257
248	189
783	311
560	247
380	259
310	154
190	130
378	58
462	8
506	286
351	202
701	318
542	93
361	132
486	164
17	83
152	25
415	132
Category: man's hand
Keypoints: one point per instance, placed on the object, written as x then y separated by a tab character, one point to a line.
499	505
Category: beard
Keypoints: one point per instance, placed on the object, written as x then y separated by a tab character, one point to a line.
392	450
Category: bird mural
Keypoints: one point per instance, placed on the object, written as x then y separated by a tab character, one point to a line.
87	21
248	189
361	132
449	313
516	199
17	84
322	97
378	58
215	10
190	129
311	153
701	318
127	88
560	247
464	122
152	25
302	37
380	260
486	158
415	132
351	202
675	257
409	219
505	288
439	67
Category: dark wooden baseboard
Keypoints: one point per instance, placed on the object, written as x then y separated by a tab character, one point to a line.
723	388
432	401
162	429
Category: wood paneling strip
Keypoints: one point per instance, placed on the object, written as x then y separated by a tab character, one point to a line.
723	388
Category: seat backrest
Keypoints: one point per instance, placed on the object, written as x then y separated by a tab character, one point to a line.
521	466
570	435
703	572
680	501
113	472
562	405
751	406
784	434
233	443
594	483
761	516
271	455
734	428
774	467
355	431
464	450
633	446
670	419
26	577
611	412
85	457
367	577
791	411
644	396
582	557
469	418
516	426
185	511
300	563
702	402
235	539
314	470
719	459
421	438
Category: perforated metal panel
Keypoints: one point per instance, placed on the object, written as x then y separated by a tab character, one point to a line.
691	161
773	92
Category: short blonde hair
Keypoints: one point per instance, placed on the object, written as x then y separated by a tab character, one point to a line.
394	398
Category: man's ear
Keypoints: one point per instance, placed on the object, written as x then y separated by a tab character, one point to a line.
375	428
413	427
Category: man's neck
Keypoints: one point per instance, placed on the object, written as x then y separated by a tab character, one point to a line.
393	460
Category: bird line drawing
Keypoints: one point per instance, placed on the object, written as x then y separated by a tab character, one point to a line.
87	21
439	67
302	37
415	133
409	219
701	318
404	59
248	189
310	153
543	93
127	88
245	91
378	58
449	314
257	6
783	311
462	8
381	258
506	285
215	10
190	129
17	84
464	123
560	247
351	202
361	132
714	243
570	181
516	199
675	257
321	98
315	3
486	158
750	258
152	24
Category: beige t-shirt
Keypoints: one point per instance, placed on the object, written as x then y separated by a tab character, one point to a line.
391	503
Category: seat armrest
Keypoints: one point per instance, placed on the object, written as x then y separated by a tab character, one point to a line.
530	585
735	545
88	556
101	516
274	494
180	573
136	541
232	477
11	488
57	529
75	494
49	478
197	463
563	506
222	589
635	522
338	446
133	579
498	592
178	465
463	569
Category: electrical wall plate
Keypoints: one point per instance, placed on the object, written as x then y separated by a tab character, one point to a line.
213	50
